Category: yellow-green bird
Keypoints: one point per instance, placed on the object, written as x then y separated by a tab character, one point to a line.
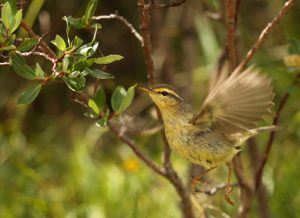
213	135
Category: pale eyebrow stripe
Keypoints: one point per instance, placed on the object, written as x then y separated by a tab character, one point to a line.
169	91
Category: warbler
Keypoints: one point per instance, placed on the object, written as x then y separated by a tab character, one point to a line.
214	134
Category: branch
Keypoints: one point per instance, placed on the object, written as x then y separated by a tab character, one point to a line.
270	142
147	47
43	44
34	52
232	7
170	173
4	64
151	164
153	5
125	22
263	35
246	197
217	188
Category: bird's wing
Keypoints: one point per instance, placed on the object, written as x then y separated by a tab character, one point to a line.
236	104
218	76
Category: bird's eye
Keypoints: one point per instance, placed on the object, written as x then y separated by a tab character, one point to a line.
164	93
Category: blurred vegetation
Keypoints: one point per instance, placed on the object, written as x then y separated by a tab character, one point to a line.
54	162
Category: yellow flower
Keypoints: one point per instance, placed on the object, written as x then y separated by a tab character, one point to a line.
131	165
292	60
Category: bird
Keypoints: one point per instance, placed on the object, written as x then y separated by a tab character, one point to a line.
213	135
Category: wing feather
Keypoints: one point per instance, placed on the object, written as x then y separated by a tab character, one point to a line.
237	103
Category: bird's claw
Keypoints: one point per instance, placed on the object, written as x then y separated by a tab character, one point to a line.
227	195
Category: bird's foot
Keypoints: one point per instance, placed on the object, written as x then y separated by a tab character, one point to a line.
196	179
227	195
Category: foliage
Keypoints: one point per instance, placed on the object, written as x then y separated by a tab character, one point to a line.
57	163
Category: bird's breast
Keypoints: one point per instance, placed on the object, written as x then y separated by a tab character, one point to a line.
203	147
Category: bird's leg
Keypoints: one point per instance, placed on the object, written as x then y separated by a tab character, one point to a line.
196	179
228	186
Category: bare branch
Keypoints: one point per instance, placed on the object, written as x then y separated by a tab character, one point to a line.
43	44
217	188
170	173
221	212
153	5
232	16
125	22
270	141
5	64
151	164
263	35
147	48
33	50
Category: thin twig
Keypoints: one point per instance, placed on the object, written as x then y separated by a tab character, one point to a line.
151	164
153	5
125	22
272	136
263	35
263	206
215	189
4	64
33	50
43	44
246	189
212	207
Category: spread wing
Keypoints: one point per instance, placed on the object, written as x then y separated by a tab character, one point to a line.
236	104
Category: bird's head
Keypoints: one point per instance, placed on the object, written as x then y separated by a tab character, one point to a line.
164	96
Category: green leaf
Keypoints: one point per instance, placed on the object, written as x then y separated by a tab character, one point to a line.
30	94
90	114
7	48
15	22
102	122
100	99
65	64
27	44
75	84
39	73
88	50
68	28
89	11
75	22
10	40
74	74
6	14
99	74
128	99
108	59
59	42
117	98
82	64
77	42
92	104
20	67
121	99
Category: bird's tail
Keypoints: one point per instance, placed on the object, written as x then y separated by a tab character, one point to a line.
240	138
270	128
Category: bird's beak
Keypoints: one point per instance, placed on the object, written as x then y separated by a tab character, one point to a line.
144	89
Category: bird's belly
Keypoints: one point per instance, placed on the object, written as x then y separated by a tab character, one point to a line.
205	148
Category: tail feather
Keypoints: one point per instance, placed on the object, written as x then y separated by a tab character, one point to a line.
270	128
240	138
